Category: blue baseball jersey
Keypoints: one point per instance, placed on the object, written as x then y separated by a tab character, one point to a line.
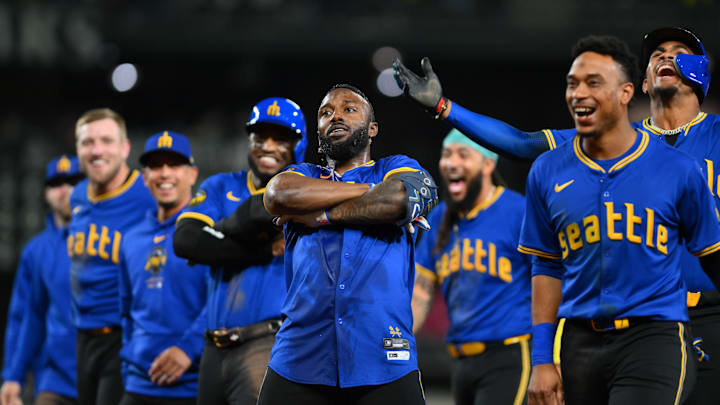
96	231
45	338
701	140
485	280
162	304
619	227
349	290
237	296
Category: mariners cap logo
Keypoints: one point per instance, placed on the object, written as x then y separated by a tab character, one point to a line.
165	141
63	165
274	109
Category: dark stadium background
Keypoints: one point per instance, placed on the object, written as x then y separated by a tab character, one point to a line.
203	64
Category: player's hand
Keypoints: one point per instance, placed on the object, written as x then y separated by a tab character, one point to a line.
312	220
545	386
425	90
10	393
169	365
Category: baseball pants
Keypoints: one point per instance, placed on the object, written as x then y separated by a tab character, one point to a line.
277	390
705	324
233	376
130	398
51	398
499	375
650	362
99	378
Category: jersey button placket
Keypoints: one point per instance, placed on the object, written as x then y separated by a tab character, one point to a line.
605	244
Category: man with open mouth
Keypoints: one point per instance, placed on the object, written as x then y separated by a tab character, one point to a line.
677	79
471	252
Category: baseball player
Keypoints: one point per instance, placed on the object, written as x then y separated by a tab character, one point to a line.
677	78
349	266
471	252
104	206
608	216
162	298
226	226
46	334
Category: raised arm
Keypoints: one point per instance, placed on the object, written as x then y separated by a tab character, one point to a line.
493	134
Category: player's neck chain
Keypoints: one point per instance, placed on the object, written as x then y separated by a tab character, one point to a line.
676	130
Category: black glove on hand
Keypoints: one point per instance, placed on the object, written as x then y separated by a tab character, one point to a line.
250	222
425	90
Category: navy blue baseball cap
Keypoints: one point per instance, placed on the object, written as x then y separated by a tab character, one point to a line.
63	168
168	141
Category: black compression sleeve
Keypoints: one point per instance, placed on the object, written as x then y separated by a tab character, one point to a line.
711	265
199	243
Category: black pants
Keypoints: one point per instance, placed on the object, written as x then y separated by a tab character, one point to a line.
705	323
51	398
99	379
647	363
277	390
500	375
233	376
137	399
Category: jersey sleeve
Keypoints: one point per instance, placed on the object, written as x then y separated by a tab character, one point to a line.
536	234
192	341
302	169
18	301
31	331
698	221
206	205
399	164
125	296
557	137
424	257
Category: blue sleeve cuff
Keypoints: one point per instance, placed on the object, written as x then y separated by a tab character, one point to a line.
547	267
543	335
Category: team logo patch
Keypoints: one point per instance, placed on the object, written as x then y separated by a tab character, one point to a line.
156	260
398	355
199	197
395	332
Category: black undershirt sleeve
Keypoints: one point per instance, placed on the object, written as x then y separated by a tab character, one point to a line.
711	265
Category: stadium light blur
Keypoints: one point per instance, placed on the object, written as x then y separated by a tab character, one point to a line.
387	85
124	77
383	57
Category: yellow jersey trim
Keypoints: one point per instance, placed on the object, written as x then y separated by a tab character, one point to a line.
639	151
251	185
695	121
550	138
617	166
652	128
558	340
113	193
399	170
198	216
425	272
710	249
525	374
485	204
683	360
539	253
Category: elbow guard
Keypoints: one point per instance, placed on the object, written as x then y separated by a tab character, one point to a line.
421	195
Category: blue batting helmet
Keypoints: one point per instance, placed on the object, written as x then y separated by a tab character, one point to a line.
284	112
693	68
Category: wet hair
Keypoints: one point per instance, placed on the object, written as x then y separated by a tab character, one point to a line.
613	47
356	91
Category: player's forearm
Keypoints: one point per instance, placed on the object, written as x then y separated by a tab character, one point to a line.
384	204
292	194
496	135
546	297
422	299
198	242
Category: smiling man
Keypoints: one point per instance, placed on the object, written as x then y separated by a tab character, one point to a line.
105	205
162	298
608	218
227	227
471	252
347	334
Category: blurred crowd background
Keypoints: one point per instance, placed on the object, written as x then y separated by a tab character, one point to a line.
197	67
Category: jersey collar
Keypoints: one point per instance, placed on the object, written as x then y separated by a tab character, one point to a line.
621	163
251	185
658	131
483	205
113	193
